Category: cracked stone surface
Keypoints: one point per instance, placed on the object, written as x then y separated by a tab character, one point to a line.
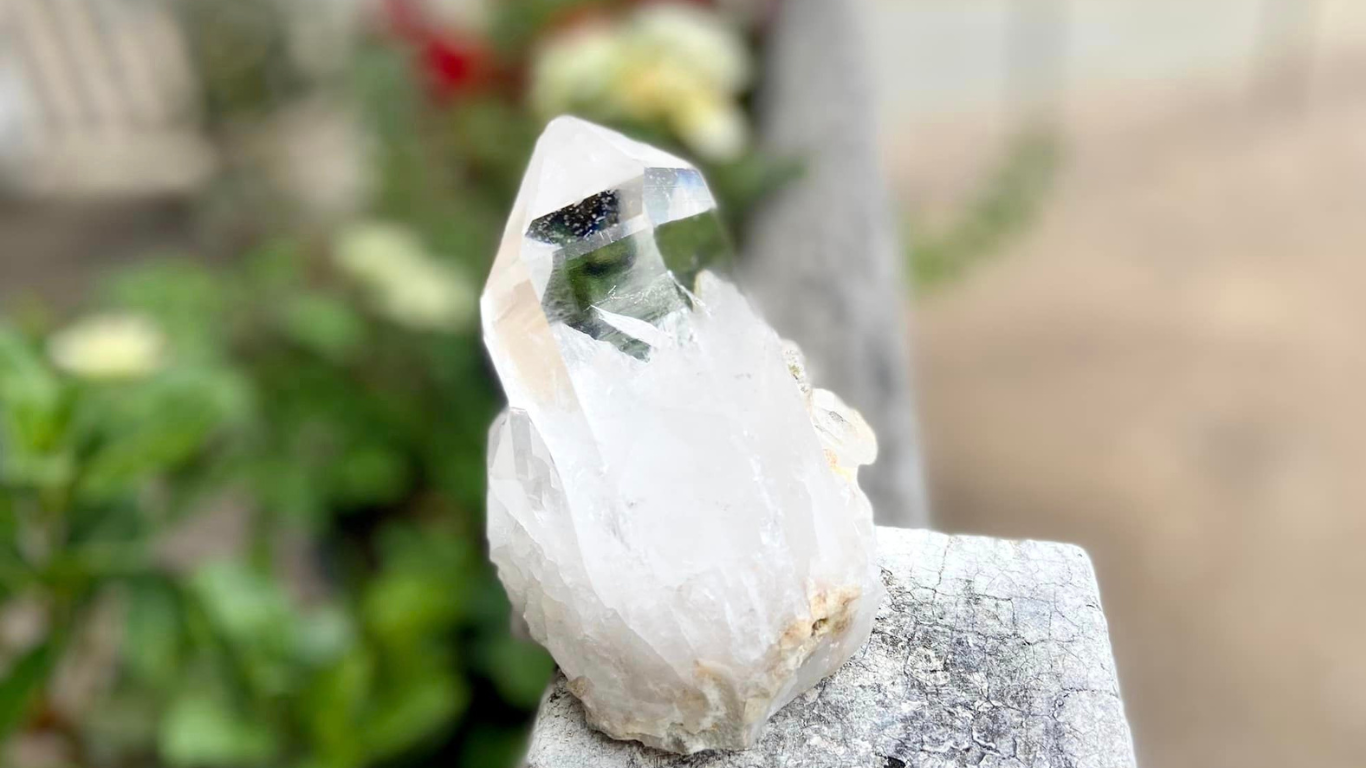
987	653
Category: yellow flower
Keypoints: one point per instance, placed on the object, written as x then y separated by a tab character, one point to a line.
714	127
121	346
711	49
676	65
577	67
405	283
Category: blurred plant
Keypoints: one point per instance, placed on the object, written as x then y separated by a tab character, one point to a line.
281	402
405	283
241	506
453	54
1004	207
243	54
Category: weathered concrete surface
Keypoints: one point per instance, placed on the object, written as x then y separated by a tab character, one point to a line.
987	653
822	257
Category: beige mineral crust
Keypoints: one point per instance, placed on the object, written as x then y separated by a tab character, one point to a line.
673	509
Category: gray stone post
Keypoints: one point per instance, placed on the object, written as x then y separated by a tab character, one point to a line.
823	259
986	653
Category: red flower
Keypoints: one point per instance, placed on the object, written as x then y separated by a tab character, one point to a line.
453	67
451	63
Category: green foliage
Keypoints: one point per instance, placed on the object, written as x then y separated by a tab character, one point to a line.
516	28
285	510
201	730
241	50
23	682
1006	205
289	404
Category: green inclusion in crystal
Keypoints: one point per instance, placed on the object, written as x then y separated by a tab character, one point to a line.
603	262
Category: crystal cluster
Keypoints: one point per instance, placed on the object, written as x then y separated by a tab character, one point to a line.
673	509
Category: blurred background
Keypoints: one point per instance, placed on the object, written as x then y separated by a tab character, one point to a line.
1148	338
243	401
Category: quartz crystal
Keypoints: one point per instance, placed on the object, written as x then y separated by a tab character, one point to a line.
673	509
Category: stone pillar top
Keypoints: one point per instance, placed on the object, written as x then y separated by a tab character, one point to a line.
986	653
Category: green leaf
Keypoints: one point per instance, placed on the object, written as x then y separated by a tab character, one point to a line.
35	418
246	605
199	730
491	746
517	22
424	587
324	325
241	54
188	301
156	426
22	683
1007	204
19	361
14	572
370	474
250	612
153	632
404	607
275	266
742	184
335	706
287	489
9	526
324	635
495	138
414	712
520	670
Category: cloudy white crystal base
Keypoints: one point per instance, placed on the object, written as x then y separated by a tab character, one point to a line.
699	652
673	509
986	653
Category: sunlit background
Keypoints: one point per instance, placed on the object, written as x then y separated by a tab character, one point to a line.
243	401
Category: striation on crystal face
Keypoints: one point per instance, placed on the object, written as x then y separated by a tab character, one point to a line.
673	509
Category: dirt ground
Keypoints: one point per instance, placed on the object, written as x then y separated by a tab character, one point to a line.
1169	368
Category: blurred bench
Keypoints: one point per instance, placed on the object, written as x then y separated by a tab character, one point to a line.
96	99
99	139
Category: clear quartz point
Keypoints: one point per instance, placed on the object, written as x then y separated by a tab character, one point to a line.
673	509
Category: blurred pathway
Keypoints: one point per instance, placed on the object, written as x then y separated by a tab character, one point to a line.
1169	369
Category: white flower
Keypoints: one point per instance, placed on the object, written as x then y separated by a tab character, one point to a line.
367	251
672	64
405	283
709	47
579	66
431	300
120	346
